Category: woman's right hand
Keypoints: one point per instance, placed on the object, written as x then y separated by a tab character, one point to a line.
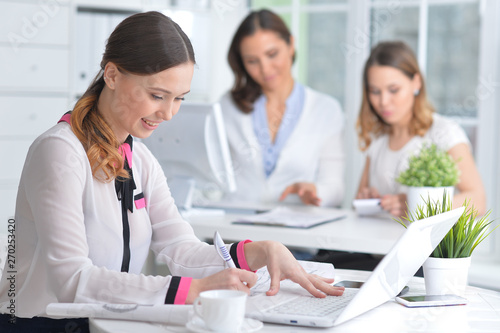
367	193
307	193
231	278
394	204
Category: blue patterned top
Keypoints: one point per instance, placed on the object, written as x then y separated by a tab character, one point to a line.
271	151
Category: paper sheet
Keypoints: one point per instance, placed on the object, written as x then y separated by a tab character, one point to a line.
367	206
292	218
171	314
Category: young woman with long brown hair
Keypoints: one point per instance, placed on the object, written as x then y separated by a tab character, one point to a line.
395	120
286	139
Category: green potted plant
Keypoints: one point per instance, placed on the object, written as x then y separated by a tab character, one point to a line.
446	270
430	173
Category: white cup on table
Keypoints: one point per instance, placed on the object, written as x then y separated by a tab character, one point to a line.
221	310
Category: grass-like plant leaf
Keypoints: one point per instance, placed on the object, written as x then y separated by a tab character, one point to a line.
465	235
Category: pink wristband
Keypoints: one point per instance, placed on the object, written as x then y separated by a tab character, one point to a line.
183	290
240	252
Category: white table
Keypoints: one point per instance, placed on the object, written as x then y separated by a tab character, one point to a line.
482	314
375	235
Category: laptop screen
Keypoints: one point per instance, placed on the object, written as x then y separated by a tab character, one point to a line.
401	263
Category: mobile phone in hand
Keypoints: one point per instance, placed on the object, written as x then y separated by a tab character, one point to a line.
367	206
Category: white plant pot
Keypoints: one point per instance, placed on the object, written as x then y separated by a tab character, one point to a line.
446	275
416	195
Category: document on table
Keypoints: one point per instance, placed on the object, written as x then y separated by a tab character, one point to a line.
165	313
293	218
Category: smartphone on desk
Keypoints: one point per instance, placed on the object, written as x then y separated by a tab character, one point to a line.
430	300
348	284
359	284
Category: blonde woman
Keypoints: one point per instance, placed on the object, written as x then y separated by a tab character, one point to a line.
395	120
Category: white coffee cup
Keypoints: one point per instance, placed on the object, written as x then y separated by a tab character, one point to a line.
221	310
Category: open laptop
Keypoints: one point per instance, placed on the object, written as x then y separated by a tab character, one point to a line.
294	307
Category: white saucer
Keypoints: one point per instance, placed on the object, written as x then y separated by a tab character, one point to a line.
249	325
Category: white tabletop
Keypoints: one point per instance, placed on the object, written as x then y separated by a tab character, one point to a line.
375	235
482	314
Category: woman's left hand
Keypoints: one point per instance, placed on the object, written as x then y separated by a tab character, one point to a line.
282	265
306	191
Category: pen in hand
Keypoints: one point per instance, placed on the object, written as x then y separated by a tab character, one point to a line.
221	249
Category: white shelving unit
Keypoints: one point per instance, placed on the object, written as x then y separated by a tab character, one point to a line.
35	48
200	19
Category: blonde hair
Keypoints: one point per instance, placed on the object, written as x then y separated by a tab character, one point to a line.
370	125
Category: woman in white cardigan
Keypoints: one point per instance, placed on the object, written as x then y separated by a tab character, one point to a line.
285	138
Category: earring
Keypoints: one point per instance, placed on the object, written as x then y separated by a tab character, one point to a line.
105	78
416	92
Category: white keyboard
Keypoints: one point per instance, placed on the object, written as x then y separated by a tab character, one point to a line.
312	306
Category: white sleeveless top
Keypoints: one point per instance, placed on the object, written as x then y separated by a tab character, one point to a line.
386	164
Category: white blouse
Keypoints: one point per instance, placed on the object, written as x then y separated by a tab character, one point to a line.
312	153
69	242
387	164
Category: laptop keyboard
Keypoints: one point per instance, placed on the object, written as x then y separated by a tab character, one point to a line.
312	306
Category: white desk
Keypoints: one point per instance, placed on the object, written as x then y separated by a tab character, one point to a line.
375	235
482	314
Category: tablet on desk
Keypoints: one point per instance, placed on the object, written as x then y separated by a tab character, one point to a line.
293	217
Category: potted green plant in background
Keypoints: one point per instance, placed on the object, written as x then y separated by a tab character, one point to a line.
430	173
446	270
